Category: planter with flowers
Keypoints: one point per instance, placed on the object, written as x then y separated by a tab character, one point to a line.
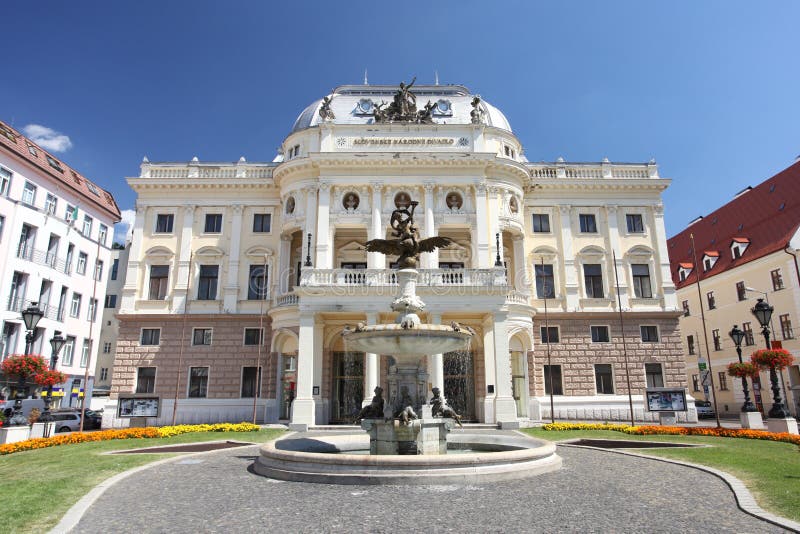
22	367
45	425
775	360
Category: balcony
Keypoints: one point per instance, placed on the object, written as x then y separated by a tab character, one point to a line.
288	299
488	278
42	257
18	304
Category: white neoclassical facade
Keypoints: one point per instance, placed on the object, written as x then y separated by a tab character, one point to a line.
242	275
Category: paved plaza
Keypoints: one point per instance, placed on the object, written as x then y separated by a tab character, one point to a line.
596	491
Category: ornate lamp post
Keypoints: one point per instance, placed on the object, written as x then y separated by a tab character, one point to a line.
763	313
56	344
737	336
308	252
497	261
30	317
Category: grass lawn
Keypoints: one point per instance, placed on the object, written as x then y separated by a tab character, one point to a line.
38	487
770	470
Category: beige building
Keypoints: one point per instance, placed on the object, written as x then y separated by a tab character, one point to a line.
242	275
746	249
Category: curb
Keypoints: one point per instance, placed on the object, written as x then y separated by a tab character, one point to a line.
76	511
744	499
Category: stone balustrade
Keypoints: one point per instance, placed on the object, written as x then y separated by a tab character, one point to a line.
387	277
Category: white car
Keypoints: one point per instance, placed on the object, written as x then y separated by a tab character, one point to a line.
67	421
704	409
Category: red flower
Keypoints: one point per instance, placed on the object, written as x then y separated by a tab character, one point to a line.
23	365
772	358
742	370
49	378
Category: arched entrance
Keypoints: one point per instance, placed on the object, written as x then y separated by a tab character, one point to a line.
285	345
519	376
347	389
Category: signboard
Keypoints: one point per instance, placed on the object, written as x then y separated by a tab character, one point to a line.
666	400
138	407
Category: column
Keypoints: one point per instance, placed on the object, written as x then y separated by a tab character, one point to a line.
481	234
570	273
323	227
505	408
520	281
132	279
488	371
319	327
664	277
429	260
303	404
436	365
231	288
613	238
371	367
284	259
376	260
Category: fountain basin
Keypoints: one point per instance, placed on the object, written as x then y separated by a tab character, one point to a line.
392	339
340	459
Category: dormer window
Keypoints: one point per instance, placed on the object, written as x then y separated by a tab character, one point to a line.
710	258
738	246
684	270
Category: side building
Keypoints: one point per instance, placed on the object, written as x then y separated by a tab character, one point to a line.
55	253
241	276
745	250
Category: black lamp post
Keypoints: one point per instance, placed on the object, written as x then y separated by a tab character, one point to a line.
308	252
737	336
497	261
30	317
763	313
56	344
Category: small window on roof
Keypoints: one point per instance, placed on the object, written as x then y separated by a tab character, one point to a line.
8	133
93	188
772	188
75	177
32	150
783	205
55	164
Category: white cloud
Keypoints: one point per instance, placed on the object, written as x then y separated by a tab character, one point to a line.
123	230
48	138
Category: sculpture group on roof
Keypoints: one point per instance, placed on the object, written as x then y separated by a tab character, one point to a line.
403	108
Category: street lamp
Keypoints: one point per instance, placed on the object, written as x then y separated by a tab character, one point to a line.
763	313
737	336
56	344
30	317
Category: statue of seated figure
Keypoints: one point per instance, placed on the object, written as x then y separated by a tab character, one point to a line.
440	409
374	410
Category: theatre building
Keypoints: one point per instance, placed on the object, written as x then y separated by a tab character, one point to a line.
241	276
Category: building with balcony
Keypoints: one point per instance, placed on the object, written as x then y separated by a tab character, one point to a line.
55	239
242	275
745	250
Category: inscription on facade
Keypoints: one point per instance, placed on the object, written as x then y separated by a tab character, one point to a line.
446	141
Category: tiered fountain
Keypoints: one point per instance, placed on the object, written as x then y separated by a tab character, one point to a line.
396	432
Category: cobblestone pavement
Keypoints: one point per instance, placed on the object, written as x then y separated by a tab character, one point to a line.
596	491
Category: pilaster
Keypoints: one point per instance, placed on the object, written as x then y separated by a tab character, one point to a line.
376	260
505	408
481	233
231	289
371	367
664	281
570	272
612	213
303	406
323	256
132	279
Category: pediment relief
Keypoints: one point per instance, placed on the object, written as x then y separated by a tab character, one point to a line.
640	251
209	252
259	252
592	250
160	252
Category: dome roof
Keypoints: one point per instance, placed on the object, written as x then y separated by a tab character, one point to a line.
352	104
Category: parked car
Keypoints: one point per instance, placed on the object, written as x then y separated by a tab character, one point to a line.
67	421
704	409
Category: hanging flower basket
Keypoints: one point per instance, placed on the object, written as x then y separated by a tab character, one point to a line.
24	365
772	358
49	378
742	370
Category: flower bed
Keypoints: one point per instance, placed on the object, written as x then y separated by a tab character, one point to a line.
647	430
125	433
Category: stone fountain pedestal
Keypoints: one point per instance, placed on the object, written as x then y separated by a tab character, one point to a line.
427	435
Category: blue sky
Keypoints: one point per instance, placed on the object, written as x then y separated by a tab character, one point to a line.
710	89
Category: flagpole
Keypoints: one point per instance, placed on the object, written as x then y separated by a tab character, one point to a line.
183	335
622	331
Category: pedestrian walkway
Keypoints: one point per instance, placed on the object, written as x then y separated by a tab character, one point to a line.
596	491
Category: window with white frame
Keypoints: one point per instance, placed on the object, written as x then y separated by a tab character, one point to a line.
258	282
29	194
68	351
150	336
159	277
593	279
102	234
201	336
654	375
198	382
207	285
2	225
213	223
50	204
253	336
87	226
635	223
599	334
262	222
545	282
82	259
91	315
98	270
541	223
164	222
587	223
71	213
86	352
5	181
146	380
75	307
649	333
641	281
604	379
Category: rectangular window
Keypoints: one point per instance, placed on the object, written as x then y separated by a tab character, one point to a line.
690	344
86	352
5	181
603	379
111	301
258	282
588	223
545	283
635	223
541	223
82	259
98	270
71	214
207	287
741	292
641	281
69	351
251	382
695	383
29	194
599	334
549	334
103	374
102	234
213	223
777	279
146	380
711	302
686	308
2	225
654	375
53	163
164	223
649	333
151	336
198	382
75	308
159	278
50	204
201	336
748	334
253	336
717	340
92	314
107	347
593	278
262	222
552	380
723	380
786	327
115	269
87	225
